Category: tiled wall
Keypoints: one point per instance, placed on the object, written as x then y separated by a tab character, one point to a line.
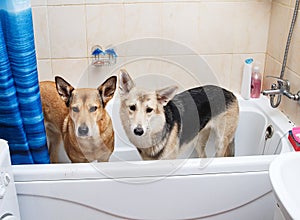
222	32
281	16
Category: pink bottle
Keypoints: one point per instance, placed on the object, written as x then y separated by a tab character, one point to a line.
255	82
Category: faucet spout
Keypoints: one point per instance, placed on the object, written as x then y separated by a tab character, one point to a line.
281	88
272	92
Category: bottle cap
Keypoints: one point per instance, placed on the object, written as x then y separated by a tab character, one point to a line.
256	69
249	61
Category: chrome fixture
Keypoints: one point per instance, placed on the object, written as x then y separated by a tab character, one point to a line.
283	86
103	57
268	134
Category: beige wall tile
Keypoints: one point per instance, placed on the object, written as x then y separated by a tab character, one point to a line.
72	70
290	107
294	51
142	1
65	2
67	31
294	79
194	70
144	68
45	70
103	1
180	70
284	2
153	47
156	73
292	3
41	32
279	26
105	25
98	74
221	68
215	27
252	27
180	23
142	20
35	3
272	68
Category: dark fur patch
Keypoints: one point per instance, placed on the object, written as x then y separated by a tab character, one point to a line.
192	109
69	100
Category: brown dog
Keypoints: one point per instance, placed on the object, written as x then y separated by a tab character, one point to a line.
79	119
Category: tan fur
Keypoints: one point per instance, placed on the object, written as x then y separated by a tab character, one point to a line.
171	150
62	123
224	127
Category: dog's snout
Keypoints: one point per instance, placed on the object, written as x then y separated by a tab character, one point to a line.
83	130
138	131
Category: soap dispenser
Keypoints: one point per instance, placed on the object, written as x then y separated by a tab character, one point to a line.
246	80
255	81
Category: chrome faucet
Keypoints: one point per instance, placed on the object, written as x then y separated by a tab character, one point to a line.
281	88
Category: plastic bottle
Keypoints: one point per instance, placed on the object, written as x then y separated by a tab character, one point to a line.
246	81
255	82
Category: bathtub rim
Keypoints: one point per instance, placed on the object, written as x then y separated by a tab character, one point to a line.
141	169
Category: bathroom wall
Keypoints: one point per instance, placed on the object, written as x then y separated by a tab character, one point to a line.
222	32
281	16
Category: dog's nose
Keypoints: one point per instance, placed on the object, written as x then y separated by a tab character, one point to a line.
138	131
83	130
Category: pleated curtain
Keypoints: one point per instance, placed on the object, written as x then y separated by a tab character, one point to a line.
21	118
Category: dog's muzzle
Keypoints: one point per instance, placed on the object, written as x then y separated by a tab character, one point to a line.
83	130
139	131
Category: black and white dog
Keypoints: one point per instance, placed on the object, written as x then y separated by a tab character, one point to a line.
163	125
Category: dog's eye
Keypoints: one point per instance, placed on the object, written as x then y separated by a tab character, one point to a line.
132	107
149	110
93	109
75	109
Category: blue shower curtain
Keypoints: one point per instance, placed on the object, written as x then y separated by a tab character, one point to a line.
21	118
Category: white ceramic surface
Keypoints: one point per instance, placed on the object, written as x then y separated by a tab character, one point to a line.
285	178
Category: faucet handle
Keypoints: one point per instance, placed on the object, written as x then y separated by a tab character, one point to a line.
283	83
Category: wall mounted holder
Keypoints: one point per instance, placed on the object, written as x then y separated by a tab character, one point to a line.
103	57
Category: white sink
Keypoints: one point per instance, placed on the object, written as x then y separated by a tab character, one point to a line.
285	178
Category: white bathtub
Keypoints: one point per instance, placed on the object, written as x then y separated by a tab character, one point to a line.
219	188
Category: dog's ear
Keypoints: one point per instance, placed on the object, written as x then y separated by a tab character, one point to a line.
125	82
107	89
166	94
64	89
